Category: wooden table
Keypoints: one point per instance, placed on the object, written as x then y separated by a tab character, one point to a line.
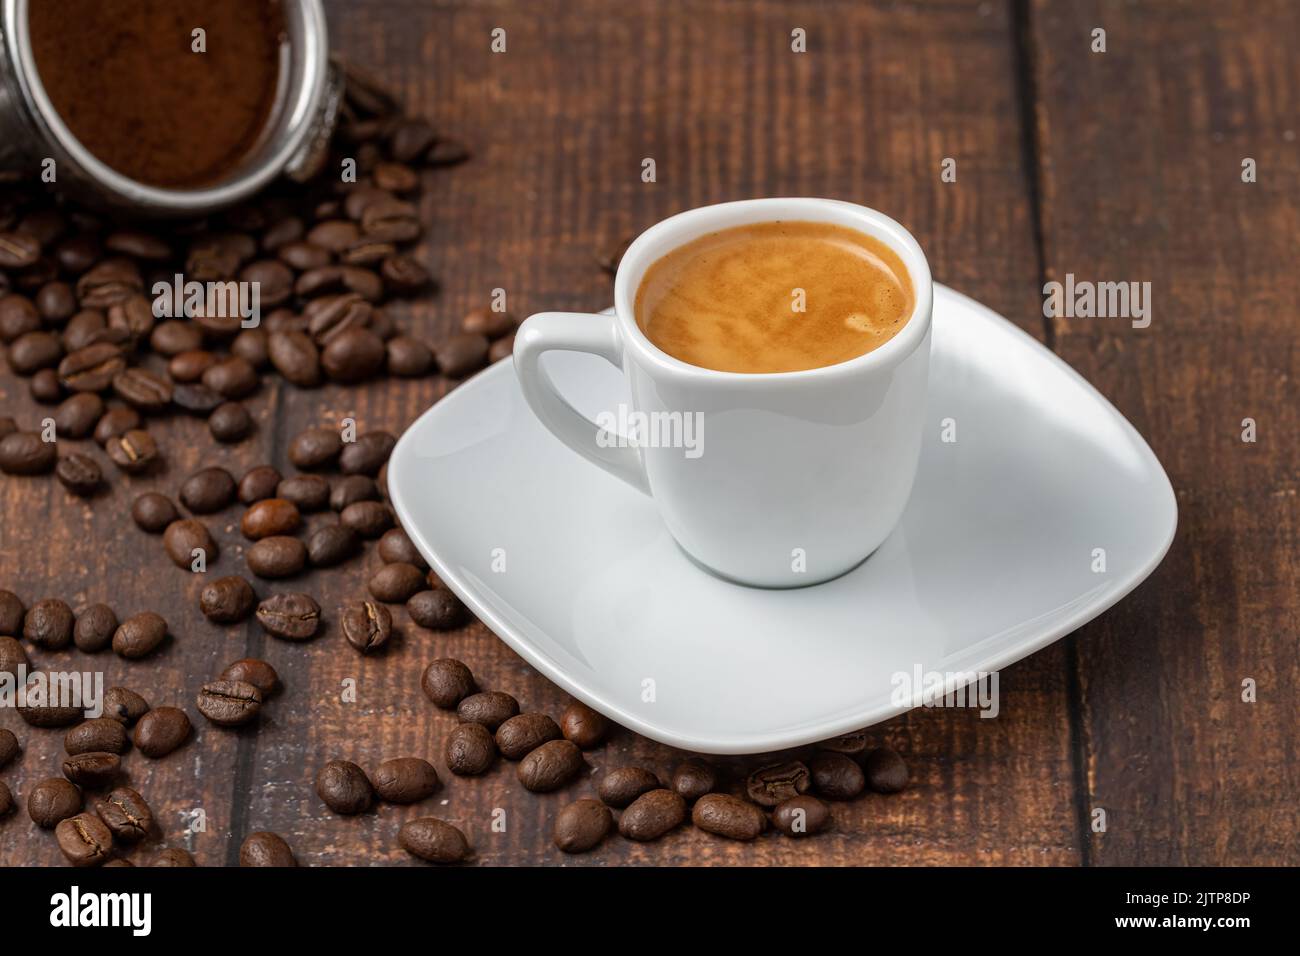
1122	165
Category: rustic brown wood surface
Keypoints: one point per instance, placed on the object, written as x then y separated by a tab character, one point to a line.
1116	166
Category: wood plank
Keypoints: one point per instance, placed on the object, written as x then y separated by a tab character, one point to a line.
1187	772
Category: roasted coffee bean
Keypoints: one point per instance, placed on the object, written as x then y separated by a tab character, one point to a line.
126	814
80	474
295	356
776	783
409	139
109	282
196	399
188	367
208	490
396	177
584	726
218	256
433	840
437	609
353	355
277	556
801	816
488	322
447	682
37	712
18	316
45	388
12	656
836	776
367	626
502	348
315	448
259	673
142	389
405	780
25	453
524	733
124	706
84	840
284	230
92	770
138	245
332	544
227	600
52	801
580	826
115	423
134	452
291	617
462	354
268	517
7	804
620	787
390	220
251	345
94	629
403	274
233	378
886	771
174	337
9	748
97	735
330	316
78	414
469	750
161	731
230	422
727	816
274	279
395	547
132	319
308	492
139	635
550	766
153	512
266	849
229	703
334	235
396	583
33	351
257	484
352	489
303	255
92	368
344	787
84	328
173	856
370	519
407	357
367	454
490	708
854	744
652	815
11	614
56	302
48	624
693	779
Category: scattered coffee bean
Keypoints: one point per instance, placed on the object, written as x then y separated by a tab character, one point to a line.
270	516
886	771
308	493
92	770
462	354
80	474
78	414
836	776
801	816
652	815
853	744
396	583
230	422
257	484
488	322
229	703
97	735
197	400
433	840
160	731
332	544
173	856
84	840
227	600
581	825
469	750
259	673
370	519
315	448
620	787
48	624
142	389
693	779
776	783
408	357
291	617
184	538
550	766
490	708
45	388
437	610
295	356
266	849
53	800
92	368
584	726
139	635
38	713
12	612
134	452
12	656
405	780
115	423
366	625
233	378
727	816
33	351
208	490
344	787
354	488
367	454
524	733
25	453
278	556
396	548
153	512
126	814
447	682
9	748
124	706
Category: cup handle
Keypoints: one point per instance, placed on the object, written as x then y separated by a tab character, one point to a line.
574	332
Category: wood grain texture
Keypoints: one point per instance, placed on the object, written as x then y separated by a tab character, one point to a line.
709	88
1187	772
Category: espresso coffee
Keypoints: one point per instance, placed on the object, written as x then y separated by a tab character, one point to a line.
775	297
131	83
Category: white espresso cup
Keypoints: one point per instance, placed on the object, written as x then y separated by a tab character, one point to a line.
779	479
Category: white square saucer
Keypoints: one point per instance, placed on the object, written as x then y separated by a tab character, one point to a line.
995	557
